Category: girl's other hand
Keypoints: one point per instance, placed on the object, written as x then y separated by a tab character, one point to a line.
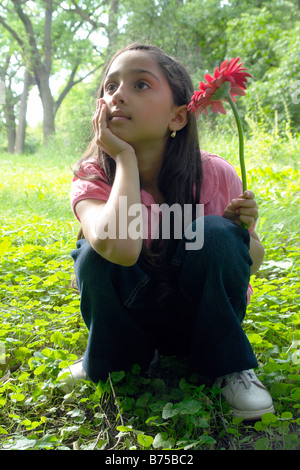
105	139
243	209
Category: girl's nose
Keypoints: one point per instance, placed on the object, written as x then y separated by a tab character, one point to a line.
117	100
119	95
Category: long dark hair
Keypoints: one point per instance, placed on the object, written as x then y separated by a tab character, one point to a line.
180	176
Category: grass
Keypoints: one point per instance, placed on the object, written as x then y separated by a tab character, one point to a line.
41	329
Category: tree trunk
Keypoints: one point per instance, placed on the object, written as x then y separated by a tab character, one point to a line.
112	27
10	119
48	120
42	80
41	68
10	127
2	92
44	76
20	137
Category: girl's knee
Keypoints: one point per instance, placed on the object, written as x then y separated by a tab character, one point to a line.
223	235
221	240
87	262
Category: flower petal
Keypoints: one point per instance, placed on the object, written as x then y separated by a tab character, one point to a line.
208	77
231	72
217	107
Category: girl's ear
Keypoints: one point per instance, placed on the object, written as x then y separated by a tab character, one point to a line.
180	118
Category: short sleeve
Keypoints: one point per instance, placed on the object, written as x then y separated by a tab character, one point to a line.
89	189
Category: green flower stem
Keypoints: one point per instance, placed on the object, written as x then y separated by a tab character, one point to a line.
241	141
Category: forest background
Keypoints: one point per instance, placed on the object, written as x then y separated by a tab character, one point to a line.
56	51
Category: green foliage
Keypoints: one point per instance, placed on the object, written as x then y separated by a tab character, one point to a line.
201	33
267	40
41	329
74	118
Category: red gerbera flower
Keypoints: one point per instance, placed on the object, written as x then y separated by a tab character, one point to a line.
229	78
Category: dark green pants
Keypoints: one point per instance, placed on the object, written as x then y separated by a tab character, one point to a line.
202	318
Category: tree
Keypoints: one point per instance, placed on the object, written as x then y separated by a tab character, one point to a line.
7	74
11	76
21	129
267	39
53	35
76	36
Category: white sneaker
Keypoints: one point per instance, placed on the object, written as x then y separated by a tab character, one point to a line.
76	373
247	396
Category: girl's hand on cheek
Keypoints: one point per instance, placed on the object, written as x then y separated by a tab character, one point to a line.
243	209
105	139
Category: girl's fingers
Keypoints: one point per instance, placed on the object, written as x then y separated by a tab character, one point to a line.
248	221
250	218
242	202
250	211
99	121
104	137
243	209
248	195
96	116
102	116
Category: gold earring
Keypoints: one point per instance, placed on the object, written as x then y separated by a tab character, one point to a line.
173	134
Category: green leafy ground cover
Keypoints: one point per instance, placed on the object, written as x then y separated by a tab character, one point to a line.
41	330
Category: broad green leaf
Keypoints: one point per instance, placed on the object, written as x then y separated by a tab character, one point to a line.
162	440
255	338
189	406
124	428
40	369
169	411
117	376
57	338
17	396
21	353
144	440
268	418
263	444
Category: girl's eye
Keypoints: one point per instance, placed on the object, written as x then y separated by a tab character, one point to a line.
110	87
141	85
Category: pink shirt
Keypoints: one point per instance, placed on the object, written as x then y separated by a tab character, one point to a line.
220	184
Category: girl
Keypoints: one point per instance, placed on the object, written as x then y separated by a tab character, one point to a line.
141	292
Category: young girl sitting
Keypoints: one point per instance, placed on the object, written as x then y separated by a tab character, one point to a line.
142	290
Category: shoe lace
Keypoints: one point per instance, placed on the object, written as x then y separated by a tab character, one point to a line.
245	377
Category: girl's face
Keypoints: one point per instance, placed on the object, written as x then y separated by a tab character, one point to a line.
139	99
